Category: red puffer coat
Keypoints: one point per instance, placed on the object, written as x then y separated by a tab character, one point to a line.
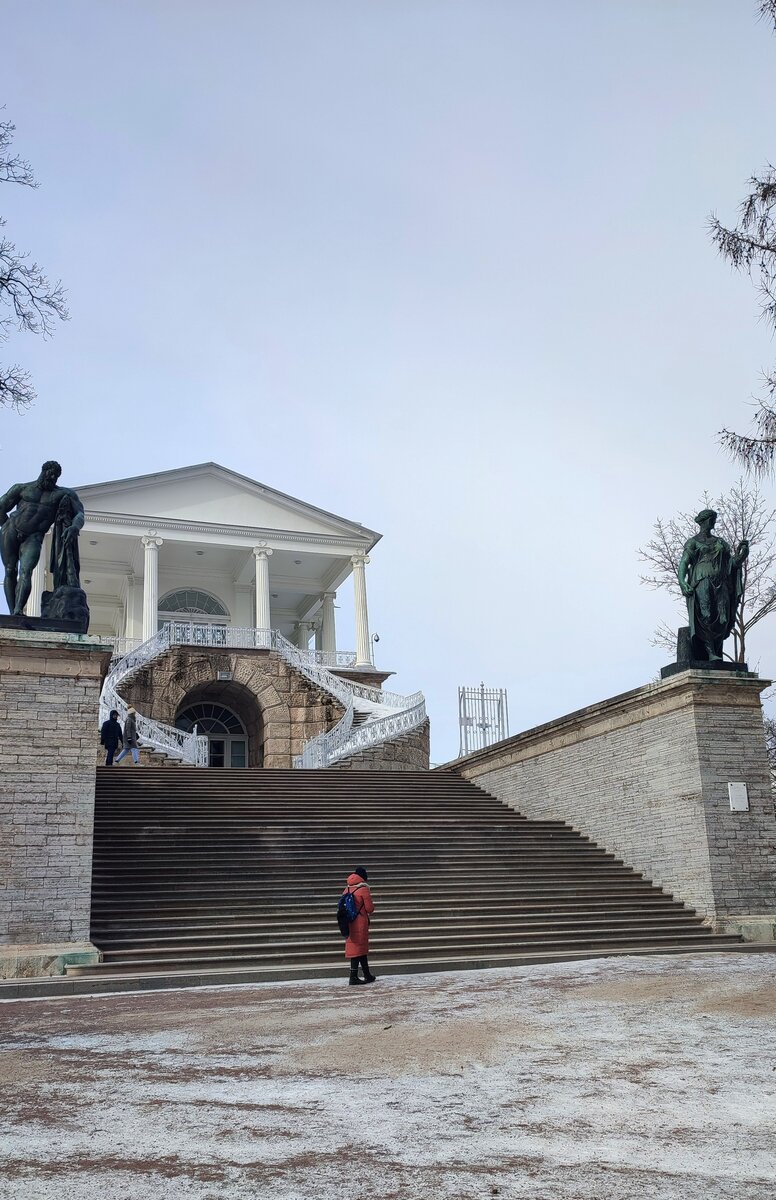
358	938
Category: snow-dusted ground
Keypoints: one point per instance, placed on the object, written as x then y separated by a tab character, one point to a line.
618	1079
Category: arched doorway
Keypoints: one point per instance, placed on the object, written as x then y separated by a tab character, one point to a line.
227	736
228	715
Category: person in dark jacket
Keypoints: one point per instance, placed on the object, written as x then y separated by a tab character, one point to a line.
357	945
111	736
130	738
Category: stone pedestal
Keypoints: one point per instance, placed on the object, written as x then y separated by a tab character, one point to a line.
645	775
49	693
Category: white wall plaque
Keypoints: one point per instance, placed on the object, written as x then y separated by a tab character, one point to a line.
739	797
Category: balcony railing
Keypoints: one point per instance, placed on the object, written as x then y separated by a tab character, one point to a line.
230	637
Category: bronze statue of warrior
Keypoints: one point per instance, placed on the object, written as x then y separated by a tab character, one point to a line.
711	578
36	507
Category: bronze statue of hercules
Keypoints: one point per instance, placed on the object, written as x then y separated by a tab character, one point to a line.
22	533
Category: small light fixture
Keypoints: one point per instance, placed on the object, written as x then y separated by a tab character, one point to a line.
92	543
274	595
200	552
297	562
87	581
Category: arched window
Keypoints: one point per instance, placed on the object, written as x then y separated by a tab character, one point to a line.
192	601
213	719
225	732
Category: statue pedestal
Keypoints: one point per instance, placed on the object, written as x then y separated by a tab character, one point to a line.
51	683
41	624
705	665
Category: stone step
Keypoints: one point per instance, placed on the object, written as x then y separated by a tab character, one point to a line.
419	949
210	871
439	931
119	928
106	983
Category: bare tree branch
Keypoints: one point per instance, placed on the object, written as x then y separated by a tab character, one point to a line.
28	302
13	169
750	246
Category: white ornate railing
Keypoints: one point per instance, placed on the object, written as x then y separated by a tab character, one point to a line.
333	658
344	740
196	633
384	715
122	645
155	735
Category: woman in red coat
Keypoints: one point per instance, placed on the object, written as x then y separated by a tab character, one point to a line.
357	945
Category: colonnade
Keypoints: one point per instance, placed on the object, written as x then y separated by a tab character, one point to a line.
324	627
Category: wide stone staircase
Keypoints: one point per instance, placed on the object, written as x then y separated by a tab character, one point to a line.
233	876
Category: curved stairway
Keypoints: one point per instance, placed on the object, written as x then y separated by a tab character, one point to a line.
225	876
371	716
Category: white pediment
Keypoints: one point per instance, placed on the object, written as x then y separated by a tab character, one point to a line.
211	494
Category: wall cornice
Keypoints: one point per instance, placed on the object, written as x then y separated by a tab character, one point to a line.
274	538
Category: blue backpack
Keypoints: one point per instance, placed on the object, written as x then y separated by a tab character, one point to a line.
347	911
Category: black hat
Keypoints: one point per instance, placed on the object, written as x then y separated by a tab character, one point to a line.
362	872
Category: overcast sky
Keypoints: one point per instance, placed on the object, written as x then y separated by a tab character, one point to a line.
440	266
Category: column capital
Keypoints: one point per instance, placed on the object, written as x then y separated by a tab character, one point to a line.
262	551
361	559
152	539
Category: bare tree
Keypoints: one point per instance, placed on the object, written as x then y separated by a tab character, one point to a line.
742	513
28	302
751	247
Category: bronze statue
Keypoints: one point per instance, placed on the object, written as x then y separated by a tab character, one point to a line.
711	577
37	506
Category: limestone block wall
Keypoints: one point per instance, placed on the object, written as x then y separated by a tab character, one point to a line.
645	775
49	695
407	753
279	707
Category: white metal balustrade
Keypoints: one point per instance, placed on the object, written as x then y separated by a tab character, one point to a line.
384	715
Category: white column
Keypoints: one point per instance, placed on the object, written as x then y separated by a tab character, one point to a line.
32	607
151	543
328	627
363	645
261	555
303	635
318	635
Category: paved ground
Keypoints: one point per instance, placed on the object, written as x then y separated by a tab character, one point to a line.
607	1080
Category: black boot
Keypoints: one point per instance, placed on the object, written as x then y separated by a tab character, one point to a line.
368	976
354	972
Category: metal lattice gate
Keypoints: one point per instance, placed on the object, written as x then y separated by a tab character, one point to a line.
483	717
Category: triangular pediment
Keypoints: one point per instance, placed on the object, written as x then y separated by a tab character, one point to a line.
211	494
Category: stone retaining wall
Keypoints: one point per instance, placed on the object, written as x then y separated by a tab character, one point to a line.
645	775
48	733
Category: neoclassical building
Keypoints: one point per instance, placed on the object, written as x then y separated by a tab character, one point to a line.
218	595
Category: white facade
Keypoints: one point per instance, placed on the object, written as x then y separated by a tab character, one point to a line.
211	546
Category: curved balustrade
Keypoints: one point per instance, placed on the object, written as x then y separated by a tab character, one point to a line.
154	735
343	740
385	715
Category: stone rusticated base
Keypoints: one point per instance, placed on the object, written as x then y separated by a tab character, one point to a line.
278	707
49	699
645	775
34	962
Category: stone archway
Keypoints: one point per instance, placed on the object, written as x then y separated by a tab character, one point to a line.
280	709
234	698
